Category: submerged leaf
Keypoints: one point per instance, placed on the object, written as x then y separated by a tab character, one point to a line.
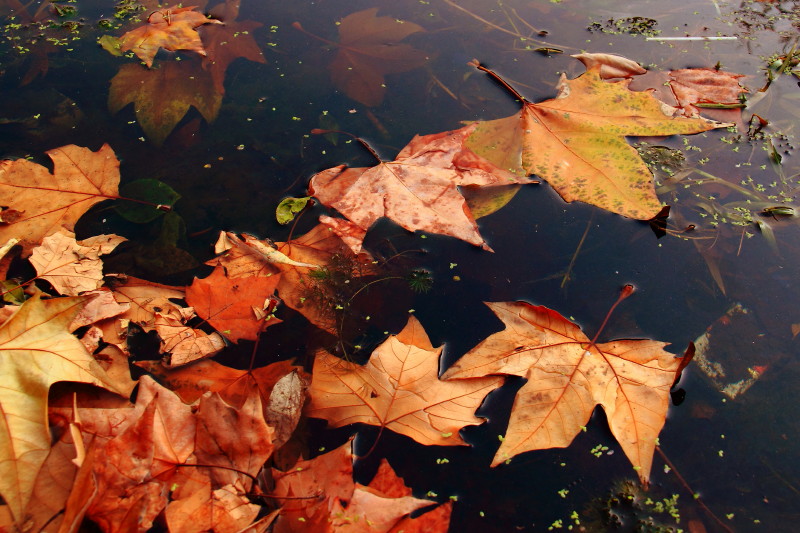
162	96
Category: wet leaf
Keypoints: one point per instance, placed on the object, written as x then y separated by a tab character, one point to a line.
36	350
398	389
704	87
369	48
320	495
576	142
418	190
568	376
71	266
238	308
170	28
45	203
162	96
151	193
289	207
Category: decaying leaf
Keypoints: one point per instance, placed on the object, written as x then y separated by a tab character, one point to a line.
170	28
71	266
398	389
36	350
568	376
44	203
285	406
162	96
323	247
319	495
369	48
576	142
182	343
418	190
190	382
698	87
238	308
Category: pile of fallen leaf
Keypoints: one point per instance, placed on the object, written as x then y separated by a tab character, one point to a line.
205	447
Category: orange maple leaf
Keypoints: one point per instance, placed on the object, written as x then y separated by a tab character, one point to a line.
320	495
38	203
398	389
576	141
238	308
568	375
171	28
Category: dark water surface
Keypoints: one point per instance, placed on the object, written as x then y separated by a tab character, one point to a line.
739	453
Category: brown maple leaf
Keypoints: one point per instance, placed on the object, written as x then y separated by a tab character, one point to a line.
576	141
140	449
143	299
398	389
321	246
170	28
226	43
38	203
369	47
71	266
418	190
184	344
193	380
699	87
568	375
294	261
36	350
162	96
320	495
239	308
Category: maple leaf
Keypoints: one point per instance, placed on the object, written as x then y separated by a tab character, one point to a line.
38	203
576	142
193	380
238	308
418	190
171	28
225	43
369	47
143	299
398	389
162	96
225	509
568	375
36	350
320	246
183	343
142	446
71	266
320	495
693	87
293	260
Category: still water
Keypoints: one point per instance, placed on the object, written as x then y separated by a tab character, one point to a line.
731	436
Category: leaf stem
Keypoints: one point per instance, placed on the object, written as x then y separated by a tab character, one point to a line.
296	25
566	277
318	131
477	64
626	291
686	486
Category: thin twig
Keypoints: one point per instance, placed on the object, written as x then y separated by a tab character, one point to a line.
695	496
566	277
